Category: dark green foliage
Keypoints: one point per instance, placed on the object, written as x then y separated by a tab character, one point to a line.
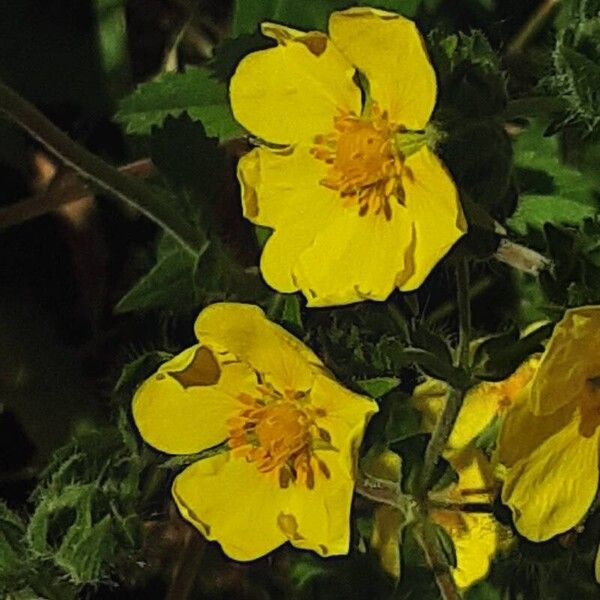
194	92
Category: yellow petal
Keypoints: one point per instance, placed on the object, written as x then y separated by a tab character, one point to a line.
322	515
355	258
433	205
597	566
550	491
229	501
346	417
292	92
475	547
389	50
480	406
522	432
574	353
385	539
243	330
282	191
177	415
429	398
283	186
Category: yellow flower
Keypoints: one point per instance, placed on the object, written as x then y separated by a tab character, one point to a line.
481	405
358	204
549	443
291	430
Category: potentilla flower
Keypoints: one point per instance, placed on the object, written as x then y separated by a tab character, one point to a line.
291	433
358	203
549	443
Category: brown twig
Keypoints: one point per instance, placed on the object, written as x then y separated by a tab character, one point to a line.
65	190
531	27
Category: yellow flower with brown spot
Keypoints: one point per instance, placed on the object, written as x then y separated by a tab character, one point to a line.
358	203
549	444
292	434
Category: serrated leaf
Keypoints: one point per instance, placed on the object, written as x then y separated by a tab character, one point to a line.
170	283
534	212
138	370
379	386
193	92
305	570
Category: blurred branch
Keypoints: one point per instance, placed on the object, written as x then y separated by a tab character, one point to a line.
91	167
532	26
66	189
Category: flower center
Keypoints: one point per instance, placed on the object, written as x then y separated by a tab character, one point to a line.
366	167
279	433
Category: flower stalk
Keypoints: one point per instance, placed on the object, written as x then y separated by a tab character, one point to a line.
445	424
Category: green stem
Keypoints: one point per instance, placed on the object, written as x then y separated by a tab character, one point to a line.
445	423
91	167
437	563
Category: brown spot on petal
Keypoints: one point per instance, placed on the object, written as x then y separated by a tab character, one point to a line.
315	42
289	526
203	370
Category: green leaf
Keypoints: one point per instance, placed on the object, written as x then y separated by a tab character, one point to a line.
311	15
379	386
305	569
193	92
169	284
483	591
551	191
535	211
138	370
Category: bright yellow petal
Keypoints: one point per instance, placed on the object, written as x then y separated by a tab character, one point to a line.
292	92
322	515
389	50
597	566
346	417
522	432
550	491
433	205
429	398
479	408
475	547
244	330
282	186
176	414
574	353
355	258
229	501
282	191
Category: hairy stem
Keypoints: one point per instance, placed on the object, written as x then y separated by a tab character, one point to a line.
91	167
438	564
445	423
